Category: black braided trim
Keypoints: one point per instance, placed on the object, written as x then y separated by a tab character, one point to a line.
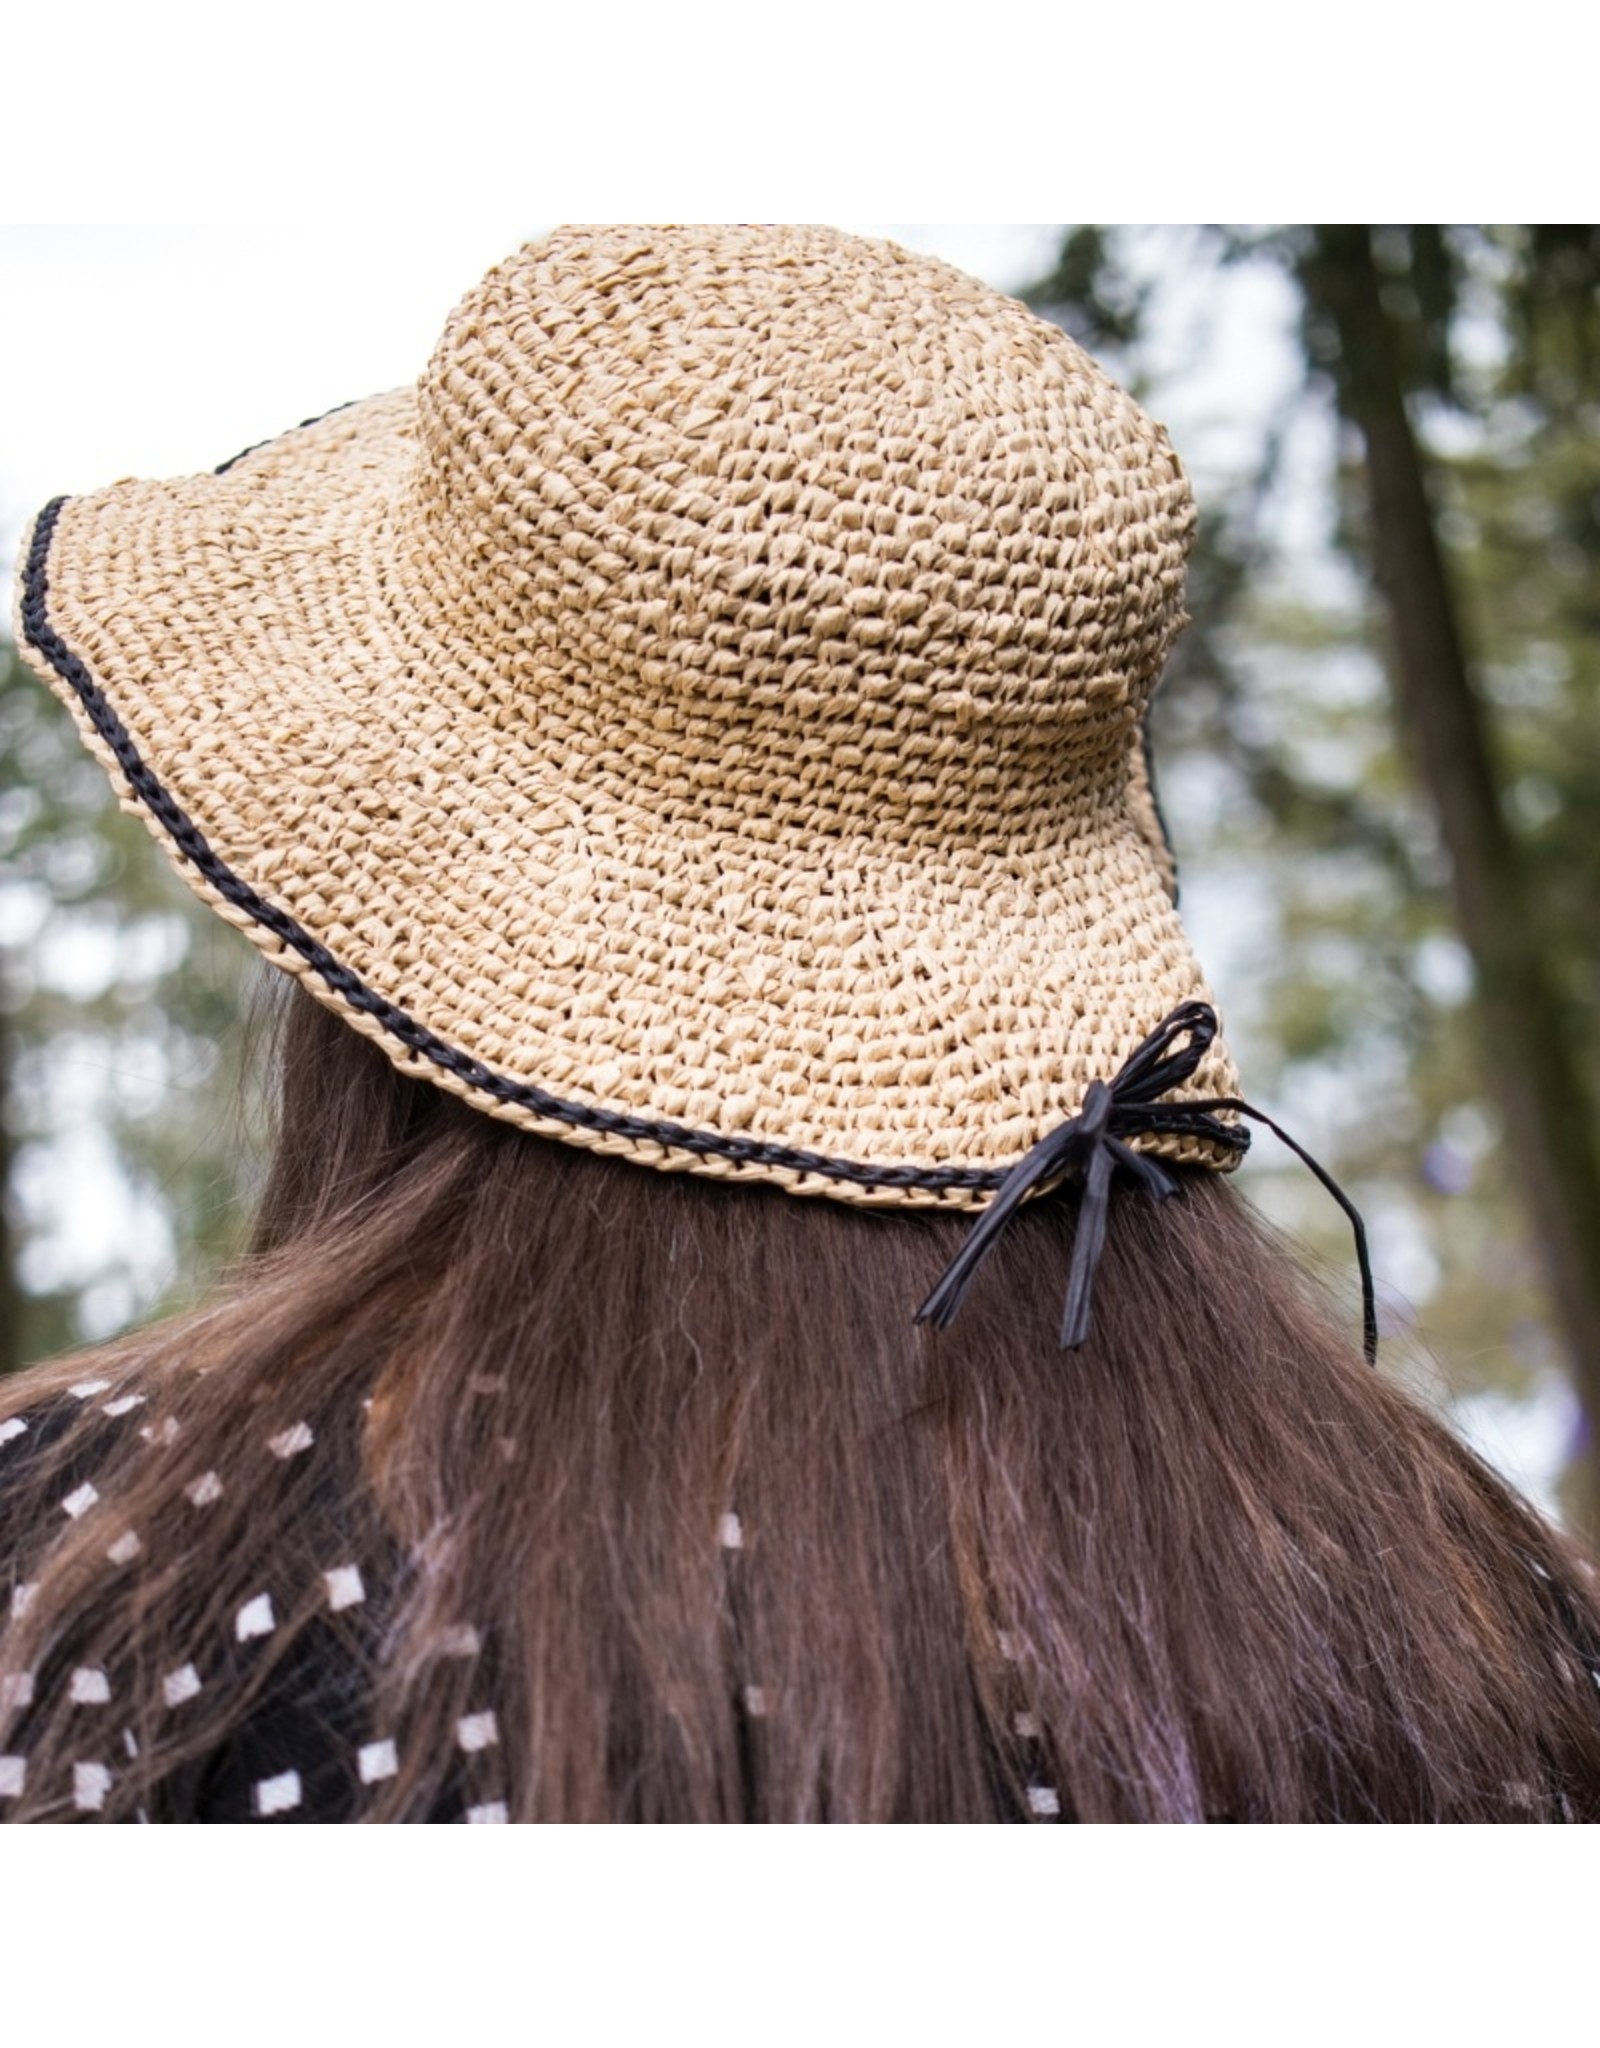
222	468
356	994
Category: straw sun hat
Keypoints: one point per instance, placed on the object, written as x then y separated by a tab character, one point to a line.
701	720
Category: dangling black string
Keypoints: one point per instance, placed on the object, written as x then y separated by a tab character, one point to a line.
1089	1147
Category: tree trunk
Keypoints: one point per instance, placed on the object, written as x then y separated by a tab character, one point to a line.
1549	1122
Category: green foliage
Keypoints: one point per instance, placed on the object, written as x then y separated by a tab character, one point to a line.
117	988
1348	990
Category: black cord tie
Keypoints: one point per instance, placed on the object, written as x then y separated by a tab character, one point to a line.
1090	1146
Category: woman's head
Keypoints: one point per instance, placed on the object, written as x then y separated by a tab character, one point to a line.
701	724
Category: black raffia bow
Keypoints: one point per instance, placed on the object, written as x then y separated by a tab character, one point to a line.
1090	1147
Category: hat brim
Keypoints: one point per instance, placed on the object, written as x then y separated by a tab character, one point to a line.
841	1014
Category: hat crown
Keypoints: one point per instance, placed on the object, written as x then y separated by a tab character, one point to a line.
765	475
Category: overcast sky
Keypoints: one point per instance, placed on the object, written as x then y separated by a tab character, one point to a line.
159	351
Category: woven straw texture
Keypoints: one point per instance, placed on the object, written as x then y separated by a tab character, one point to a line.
711	697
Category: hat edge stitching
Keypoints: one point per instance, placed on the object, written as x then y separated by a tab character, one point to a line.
356	995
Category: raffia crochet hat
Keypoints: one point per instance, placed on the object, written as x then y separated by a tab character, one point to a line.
700	721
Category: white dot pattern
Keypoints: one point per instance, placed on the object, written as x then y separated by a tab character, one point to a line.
477	1731
344	1585
376	1761
314	1770
255	1618
278	1795
90	1784
289	1443
180	1685
16	1689
309	1764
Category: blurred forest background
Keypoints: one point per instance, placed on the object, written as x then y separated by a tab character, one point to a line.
1379	750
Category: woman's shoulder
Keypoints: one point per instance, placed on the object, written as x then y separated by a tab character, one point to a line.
57	1439
155	1662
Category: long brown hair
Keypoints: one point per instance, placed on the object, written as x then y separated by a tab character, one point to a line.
659	1474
